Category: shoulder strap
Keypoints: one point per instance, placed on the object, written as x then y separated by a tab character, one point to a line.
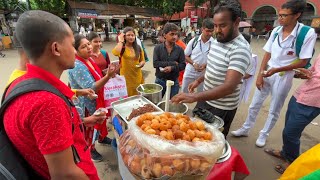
301	36
104	53
31	85
195	42
276	33
106	56
26	86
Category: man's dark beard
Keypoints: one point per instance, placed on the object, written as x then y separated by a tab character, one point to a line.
228	38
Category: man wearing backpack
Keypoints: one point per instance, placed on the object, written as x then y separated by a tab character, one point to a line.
196	55
276	72
43	125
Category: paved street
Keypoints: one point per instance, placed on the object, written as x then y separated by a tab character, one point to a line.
260	165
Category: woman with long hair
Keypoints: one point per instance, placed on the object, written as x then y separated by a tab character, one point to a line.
131	59
86	74
100	57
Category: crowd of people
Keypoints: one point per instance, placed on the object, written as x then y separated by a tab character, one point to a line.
58	141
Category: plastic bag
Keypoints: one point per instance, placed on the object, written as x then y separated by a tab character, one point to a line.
150	156
115	89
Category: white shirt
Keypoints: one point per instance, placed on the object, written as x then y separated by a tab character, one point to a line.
247	83
139	42
199	54
283	52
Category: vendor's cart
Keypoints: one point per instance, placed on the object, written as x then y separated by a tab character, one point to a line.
122	109
120	112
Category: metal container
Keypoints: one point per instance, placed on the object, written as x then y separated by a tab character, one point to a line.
175	108
227	151
155	96
218	123
125	106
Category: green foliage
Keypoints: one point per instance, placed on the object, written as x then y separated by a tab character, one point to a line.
169	7
8	4
56	7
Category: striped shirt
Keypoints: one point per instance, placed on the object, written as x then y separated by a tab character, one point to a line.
233	55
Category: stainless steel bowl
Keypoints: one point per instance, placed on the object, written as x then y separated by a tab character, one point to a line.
227	151
218	122
155	96
175	108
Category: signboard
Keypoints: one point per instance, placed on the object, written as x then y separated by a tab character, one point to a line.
86	13
119	16
104	17
185	22
193	18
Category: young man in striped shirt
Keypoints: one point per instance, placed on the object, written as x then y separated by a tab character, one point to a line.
227	62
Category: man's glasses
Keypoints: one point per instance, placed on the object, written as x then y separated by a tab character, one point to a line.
281	16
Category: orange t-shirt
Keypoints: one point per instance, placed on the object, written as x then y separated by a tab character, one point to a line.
181	44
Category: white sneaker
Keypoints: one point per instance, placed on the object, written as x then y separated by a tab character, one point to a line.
240	132
261	141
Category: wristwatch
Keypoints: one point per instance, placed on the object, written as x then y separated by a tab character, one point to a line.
193	63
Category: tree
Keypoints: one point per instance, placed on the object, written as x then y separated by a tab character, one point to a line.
169	7
165	7
56	7
8	4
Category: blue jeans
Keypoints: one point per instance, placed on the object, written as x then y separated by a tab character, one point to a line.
174	88
298	116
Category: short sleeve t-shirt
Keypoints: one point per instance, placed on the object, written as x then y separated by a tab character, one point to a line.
40	123
283	51
233	55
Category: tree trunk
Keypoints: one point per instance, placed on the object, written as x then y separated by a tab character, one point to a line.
28	5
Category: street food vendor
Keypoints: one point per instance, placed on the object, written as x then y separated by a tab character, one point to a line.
227	62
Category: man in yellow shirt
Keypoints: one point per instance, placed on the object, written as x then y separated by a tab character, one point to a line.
22	68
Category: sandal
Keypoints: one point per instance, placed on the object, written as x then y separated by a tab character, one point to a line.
274	153
281	168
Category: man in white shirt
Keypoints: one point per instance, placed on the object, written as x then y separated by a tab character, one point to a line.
276	71
196	55
82	31
248	79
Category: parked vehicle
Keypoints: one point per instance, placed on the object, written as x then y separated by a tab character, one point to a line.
154	37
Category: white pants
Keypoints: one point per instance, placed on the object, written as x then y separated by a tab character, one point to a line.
188	80
279	87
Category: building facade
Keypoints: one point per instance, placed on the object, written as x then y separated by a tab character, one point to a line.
255	7
259	13
264	12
